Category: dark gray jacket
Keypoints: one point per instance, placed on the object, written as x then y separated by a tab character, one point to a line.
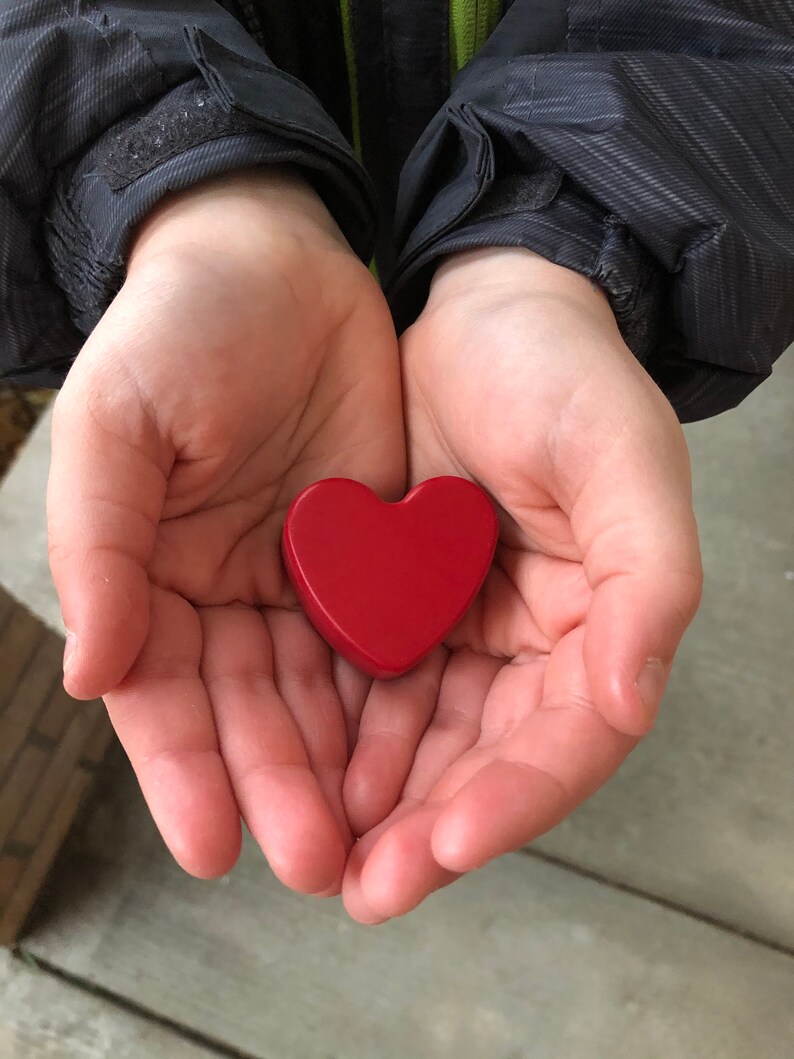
647	145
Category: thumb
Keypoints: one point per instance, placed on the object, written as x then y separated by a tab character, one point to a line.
104	498
636	529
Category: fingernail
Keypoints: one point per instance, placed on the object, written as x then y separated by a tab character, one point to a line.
650	684
68	651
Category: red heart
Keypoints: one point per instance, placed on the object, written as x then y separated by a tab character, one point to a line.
384	583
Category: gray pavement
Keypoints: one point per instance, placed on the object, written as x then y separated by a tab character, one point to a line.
522	960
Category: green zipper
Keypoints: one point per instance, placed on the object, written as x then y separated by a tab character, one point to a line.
352	75
471	22
352	80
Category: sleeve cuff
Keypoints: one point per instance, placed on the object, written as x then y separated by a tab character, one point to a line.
238	113
548	214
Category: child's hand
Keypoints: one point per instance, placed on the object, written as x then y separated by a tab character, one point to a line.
516	376
248	354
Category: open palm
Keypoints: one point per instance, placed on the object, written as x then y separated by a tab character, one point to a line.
536	697
223	379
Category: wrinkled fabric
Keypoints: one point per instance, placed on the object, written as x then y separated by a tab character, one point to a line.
106	107
673	126
648	146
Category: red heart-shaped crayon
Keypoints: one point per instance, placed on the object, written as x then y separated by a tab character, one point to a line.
384	583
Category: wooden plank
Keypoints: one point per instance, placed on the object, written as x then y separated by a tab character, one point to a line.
11	869
37	682
42	1017
61	767
50	747
98	742
520	960
56	714
12	737
18	904
20	407
17	645
7	604
30	694
19	787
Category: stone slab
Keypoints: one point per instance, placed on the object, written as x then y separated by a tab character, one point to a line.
522	960
42	1017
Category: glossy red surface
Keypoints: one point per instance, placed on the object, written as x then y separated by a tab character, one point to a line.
384	583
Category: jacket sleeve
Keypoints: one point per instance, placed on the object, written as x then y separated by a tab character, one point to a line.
107	106
648	146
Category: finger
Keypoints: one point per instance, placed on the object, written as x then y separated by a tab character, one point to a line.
514	695
636	622
503	807
642	560
394	884
105	494
400	870
395	716
555	593
304	679
163	718
278	794
516	689
501	796
352	894
353	688
456	723
528	601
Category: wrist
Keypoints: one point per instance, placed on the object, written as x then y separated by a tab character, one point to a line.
254	203
512	271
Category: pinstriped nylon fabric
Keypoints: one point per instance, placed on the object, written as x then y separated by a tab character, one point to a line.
671	128
79	84
55	92
650	146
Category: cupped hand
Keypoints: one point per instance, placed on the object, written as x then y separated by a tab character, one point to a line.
248	354
516	376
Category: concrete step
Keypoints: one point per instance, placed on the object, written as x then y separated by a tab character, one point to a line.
522	960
